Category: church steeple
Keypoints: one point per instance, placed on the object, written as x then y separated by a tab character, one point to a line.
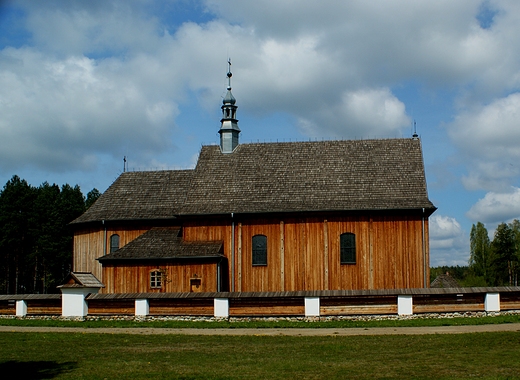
229	130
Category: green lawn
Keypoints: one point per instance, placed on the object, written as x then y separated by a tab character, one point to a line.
458	321
106	356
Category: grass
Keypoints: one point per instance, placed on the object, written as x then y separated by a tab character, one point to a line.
416	322
106	356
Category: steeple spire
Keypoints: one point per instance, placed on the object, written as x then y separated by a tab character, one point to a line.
229	130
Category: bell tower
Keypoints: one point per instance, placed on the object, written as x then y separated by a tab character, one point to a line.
229	130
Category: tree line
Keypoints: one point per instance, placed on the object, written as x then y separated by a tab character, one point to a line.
35	238
492	262
495	262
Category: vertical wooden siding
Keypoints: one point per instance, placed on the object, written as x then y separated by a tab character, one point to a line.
304	253
176	278
90	244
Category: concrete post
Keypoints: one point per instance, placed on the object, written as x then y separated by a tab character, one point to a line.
21	308
404	304
492	302
221	307
312	306
142	307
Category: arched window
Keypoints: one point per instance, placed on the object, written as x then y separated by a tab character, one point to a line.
259	250
114	243
347	243
155	279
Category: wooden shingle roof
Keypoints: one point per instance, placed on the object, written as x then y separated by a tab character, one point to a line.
141	195
351	175
163	243
309	176
81	280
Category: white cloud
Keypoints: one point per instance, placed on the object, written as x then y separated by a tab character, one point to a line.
497	207
493	128
59	113
437	42
490	137
449	244
359	114
95	27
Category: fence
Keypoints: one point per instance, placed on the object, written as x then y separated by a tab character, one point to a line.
309	304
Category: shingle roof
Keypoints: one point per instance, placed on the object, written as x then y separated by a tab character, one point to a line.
275	177
165	244
81	280
141	195
310	176
444	281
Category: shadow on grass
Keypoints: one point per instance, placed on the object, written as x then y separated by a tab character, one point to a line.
35	369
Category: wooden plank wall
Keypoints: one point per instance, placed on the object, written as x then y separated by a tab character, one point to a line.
180	306
358	305
176	278
304	253
38	307
7	307
111	307
444	303
256	307
510	301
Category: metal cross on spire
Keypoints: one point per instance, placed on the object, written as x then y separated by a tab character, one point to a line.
229	75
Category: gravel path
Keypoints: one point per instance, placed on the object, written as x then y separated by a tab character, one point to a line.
513	327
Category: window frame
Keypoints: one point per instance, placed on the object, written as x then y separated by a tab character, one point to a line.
114	247
259	254
156	279
347	248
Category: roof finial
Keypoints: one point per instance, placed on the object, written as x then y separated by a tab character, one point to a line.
415	136
229	75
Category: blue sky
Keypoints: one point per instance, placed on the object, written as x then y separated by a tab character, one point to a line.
84	83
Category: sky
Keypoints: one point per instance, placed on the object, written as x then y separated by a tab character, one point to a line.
84	84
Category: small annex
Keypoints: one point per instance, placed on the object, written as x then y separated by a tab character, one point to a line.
264	217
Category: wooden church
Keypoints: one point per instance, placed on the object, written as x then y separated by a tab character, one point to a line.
329	215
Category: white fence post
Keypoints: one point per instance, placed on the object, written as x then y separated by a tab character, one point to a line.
492	302
221	307
73	302
312	306
404	304
21	308
142	307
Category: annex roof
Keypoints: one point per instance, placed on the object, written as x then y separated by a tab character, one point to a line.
348	175
163	243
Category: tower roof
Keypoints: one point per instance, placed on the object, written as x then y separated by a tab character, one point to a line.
229	130
229	98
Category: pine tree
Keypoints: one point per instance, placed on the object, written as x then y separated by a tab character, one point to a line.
504	258
515	227
35	237
92	196
16	234
480	252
